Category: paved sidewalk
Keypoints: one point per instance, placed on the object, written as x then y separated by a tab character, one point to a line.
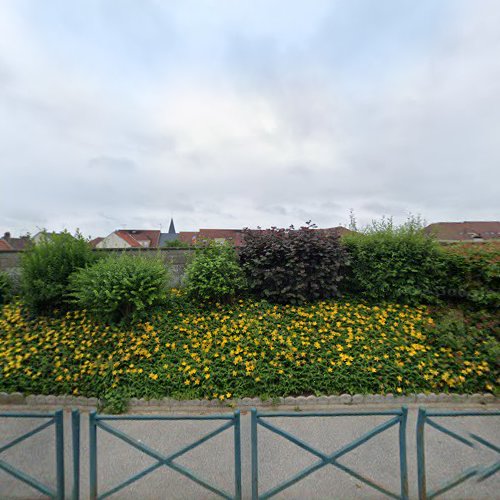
377	459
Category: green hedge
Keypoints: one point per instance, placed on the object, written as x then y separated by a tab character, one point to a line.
395	263
473	274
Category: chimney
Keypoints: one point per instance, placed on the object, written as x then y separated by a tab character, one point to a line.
6	236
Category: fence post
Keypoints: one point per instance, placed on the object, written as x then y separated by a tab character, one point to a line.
255	465
75	433
59	425
402	452
93	455
422	493
237	455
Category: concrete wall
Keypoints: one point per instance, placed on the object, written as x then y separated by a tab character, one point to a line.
175	258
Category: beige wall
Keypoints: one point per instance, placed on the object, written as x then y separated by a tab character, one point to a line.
113	241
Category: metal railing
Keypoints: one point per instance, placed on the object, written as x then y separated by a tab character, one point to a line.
399	417
396	417
55	419
471	440
103	422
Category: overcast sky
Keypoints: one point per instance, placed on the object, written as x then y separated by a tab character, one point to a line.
226	113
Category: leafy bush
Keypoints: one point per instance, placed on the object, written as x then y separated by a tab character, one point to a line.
47	266
293	266
214	274
474	273
176	244
395	263
123	287
5	287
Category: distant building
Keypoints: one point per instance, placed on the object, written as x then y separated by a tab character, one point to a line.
8	243
131	238
170	236
136	238
42	236
464	231
94	242
235	236
4	246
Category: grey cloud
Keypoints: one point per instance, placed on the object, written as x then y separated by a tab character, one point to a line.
307	136
118	165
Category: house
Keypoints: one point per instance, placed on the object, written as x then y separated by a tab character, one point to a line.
131	238
94	242
464	231
136	238
233	236
4	246
8	243
42	236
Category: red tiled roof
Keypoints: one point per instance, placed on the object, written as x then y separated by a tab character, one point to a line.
124	235
134	236
188	236
4	246
17	243
465	231
93	243
233	235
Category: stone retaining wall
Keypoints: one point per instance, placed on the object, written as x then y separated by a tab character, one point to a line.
175	258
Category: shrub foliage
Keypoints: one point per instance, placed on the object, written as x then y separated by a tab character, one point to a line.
395	263
121	287
214	274
5	287
293	265
474	274
47	266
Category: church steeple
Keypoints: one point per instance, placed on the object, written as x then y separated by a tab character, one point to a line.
171	229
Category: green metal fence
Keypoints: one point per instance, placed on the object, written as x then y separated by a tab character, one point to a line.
103	422
258	419
56	420
399	417
479	472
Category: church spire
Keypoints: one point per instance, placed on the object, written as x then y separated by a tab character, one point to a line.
171	229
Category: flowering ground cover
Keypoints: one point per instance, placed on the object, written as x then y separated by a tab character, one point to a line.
245	349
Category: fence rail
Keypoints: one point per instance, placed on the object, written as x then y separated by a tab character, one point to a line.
399	417
481	472
55	419
438	420
103	422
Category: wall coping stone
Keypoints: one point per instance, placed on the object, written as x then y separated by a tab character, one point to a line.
18	399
